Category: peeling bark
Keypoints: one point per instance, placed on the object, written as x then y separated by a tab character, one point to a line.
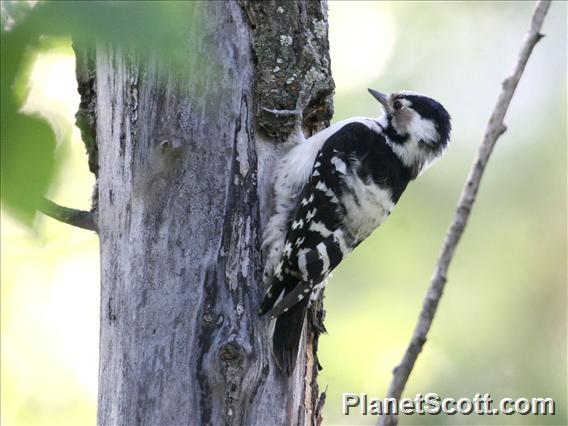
184	179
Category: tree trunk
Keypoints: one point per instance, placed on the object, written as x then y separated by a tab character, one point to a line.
184	173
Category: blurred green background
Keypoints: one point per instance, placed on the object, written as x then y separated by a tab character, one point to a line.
502	324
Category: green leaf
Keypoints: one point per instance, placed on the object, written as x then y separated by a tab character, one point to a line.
27	163
157	29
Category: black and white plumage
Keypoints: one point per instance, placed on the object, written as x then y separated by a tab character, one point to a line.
331	191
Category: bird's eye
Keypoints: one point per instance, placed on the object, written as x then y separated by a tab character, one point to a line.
397	105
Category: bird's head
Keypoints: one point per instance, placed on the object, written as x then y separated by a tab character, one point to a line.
418	127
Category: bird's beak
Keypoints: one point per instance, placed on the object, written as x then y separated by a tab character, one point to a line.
381	97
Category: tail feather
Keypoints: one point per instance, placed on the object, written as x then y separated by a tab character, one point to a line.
271	297
274	292
287	334
290	299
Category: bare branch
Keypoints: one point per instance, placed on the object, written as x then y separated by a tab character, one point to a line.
79	218
495	128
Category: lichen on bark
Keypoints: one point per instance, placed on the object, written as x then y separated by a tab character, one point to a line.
291	52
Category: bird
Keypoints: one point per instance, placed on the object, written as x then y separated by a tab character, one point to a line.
331	191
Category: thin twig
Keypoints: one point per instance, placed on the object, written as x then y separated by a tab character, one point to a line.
301	104
282	112
495	128
79	218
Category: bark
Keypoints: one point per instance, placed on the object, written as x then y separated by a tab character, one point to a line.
183	192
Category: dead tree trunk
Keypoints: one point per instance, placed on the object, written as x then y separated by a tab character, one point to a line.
183	191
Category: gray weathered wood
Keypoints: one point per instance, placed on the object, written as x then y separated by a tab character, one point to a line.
183	191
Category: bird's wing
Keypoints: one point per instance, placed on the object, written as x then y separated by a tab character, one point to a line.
313	245
321	260
316	241
347	196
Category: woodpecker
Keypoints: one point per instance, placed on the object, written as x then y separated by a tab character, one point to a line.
331	191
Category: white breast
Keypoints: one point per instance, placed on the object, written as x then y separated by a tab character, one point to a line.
366	205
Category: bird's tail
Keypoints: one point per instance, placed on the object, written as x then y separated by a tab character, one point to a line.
287	334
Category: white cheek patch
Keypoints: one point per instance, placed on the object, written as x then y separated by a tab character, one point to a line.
411	153
423	128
